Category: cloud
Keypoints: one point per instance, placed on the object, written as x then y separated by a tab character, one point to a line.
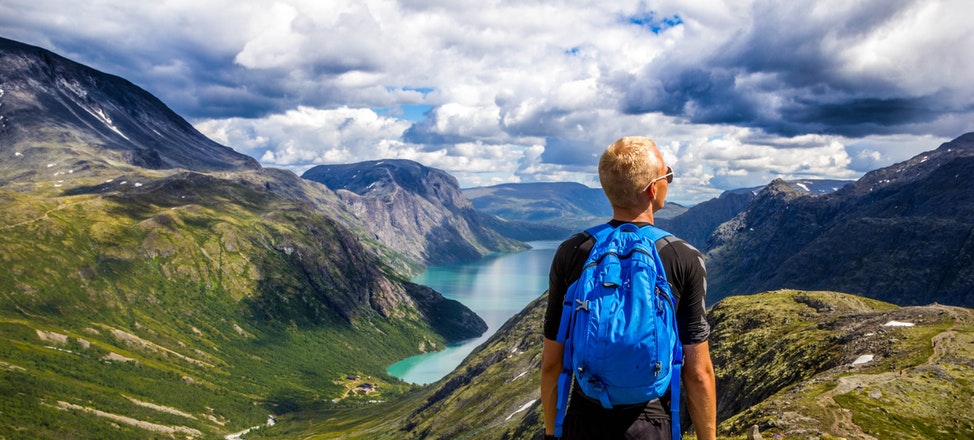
831	67
306	136
301	138
735	92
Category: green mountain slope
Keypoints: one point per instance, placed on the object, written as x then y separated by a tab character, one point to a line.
210	297
155	284
793	363
797	363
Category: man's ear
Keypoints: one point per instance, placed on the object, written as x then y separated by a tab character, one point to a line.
652	190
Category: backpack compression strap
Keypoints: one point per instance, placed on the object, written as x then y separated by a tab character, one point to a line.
675	391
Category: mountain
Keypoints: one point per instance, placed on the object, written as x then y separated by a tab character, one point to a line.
418	211
563	208
698	223
799	362
791	363
50	103
902	234
522	230
555	203
559	209
155	284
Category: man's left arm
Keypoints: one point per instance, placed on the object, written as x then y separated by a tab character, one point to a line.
689	274
701	390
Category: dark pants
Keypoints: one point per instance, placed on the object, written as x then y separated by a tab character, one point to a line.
587	420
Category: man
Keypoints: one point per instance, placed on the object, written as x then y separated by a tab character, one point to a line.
635	180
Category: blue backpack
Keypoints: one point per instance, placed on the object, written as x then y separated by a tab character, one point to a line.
619	325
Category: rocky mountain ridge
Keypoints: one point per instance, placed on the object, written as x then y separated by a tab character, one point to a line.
698	223
418	211
112	122
563	208
903	234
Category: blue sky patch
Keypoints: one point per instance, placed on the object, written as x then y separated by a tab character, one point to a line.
409	112
649	21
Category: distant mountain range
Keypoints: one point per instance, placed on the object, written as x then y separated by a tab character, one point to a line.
551	203
561	208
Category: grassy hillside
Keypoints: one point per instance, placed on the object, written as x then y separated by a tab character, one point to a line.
796	364
194	305
493	394
803	363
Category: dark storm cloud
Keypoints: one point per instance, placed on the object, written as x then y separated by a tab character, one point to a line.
568	151
424	133
788	74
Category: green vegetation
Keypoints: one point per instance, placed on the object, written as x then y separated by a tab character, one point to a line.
195	307
191	306
787	360
784	363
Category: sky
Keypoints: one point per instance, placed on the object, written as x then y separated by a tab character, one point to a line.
735	93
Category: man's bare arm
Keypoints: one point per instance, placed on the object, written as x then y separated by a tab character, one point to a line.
551	365
698	380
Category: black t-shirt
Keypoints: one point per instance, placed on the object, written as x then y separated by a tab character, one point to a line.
685	272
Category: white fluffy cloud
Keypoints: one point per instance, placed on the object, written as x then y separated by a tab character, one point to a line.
735	92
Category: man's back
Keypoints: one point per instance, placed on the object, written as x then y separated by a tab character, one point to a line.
635	179
687	276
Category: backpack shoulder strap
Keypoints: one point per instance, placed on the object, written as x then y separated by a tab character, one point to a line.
657	235
654	233
600	232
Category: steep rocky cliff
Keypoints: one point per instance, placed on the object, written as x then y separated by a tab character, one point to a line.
698	223
418	211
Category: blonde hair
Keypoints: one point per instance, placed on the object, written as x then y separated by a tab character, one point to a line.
626	167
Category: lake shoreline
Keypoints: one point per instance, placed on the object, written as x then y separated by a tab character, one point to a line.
495	287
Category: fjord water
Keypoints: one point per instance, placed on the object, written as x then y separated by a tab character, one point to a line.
495	287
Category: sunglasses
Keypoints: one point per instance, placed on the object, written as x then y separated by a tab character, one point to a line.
668	176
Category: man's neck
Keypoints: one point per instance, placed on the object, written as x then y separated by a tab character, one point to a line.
633	217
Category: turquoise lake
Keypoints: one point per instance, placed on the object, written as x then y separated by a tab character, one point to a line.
495	287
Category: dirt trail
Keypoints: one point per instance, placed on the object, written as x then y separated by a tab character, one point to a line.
842	424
